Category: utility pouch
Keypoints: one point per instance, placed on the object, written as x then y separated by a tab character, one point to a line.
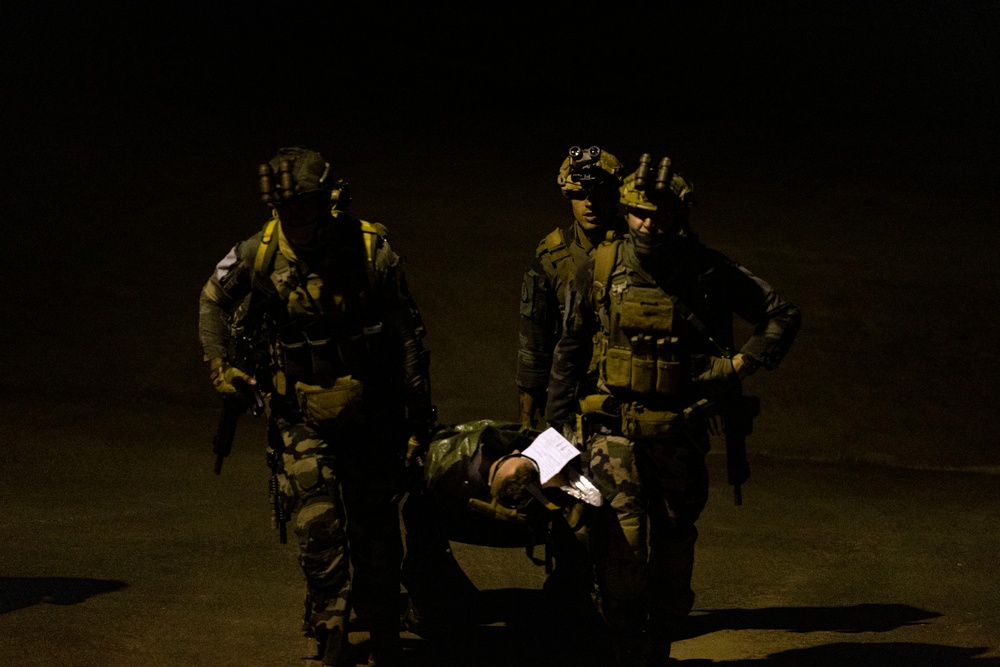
324	356
669	375
600	408
638	423
330	406
296	359
618	367
647	310
643	365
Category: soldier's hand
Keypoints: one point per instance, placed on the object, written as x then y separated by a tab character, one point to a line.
720	374
415	449
223	374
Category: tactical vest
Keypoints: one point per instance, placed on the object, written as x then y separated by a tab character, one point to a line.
325	334
639	348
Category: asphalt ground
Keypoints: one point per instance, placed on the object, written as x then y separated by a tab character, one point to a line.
120	555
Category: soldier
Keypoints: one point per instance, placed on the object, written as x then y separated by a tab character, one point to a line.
346	381
661	305
473	487
589	179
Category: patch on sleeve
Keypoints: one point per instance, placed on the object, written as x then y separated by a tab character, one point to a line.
227	263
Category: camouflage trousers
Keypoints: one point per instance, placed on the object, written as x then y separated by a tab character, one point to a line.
343	488
643	537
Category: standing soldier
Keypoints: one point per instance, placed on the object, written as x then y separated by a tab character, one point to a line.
589	179
346	381
661	305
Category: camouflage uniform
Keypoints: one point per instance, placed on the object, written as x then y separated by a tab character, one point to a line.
348	381
454	502
543	287
628	310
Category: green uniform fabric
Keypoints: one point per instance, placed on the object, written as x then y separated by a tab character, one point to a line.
334	320
438	510
543	294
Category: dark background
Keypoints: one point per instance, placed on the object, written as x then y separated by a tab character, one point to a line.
847	152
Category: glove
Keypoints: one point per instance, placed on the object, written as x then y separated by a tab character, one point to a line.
719	375
223	374
415	450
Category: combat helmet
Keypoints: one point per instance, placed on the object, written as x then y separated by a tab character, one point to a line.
644	190
296	171
585	169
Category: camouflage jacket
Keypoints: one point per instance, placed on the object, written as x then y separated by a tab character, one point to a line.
714	289
361	304
543	293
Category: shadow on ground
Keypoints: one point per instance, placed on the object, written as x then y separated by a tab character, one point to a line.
856	618
19	592
527	627
892	654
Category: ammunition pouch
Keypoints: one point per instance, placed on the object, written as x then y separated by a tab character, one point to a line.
596	409
643	356
330	406
648	366
318	351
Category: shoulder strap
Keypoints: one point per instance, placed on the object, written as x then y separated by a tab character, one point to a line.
555	244
268	246
373	231
605	257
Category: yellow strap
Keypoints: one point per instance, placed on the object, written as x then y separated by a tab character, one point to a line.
371	232
265	243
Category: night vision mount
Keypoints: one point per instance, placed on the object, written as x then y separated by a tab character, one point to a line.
280	186
584	165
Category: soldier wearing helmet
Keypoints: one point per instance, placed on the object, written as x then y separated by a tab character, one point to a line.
652	316
589	179
346	381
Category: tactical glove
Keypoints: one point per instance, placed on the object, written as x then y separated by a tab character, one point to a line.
719	376
416	447
223	375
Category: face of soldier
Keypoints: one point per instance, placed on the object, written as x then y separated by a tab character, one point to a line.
594	208
655	223
301	218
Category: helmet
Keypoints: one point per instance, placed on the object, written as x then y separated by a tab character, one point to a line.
641	190
583	169
298	171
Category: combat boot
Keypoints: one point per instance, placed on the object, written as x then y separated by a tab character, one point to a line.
385	646
331	645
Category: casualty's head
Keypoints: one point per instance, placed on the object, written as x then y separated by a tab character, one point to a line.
296	182
589	178
514	480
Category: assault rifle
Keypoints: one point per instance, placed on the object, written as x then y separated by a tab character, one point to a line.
275	447
738	412
247	398
247	352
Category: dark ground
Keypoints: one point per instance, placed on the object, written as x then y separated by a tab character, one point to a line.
847	154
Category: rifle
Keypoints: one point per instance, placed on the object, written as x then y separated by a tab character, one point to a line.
248	352
738	413
247	398
275	447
